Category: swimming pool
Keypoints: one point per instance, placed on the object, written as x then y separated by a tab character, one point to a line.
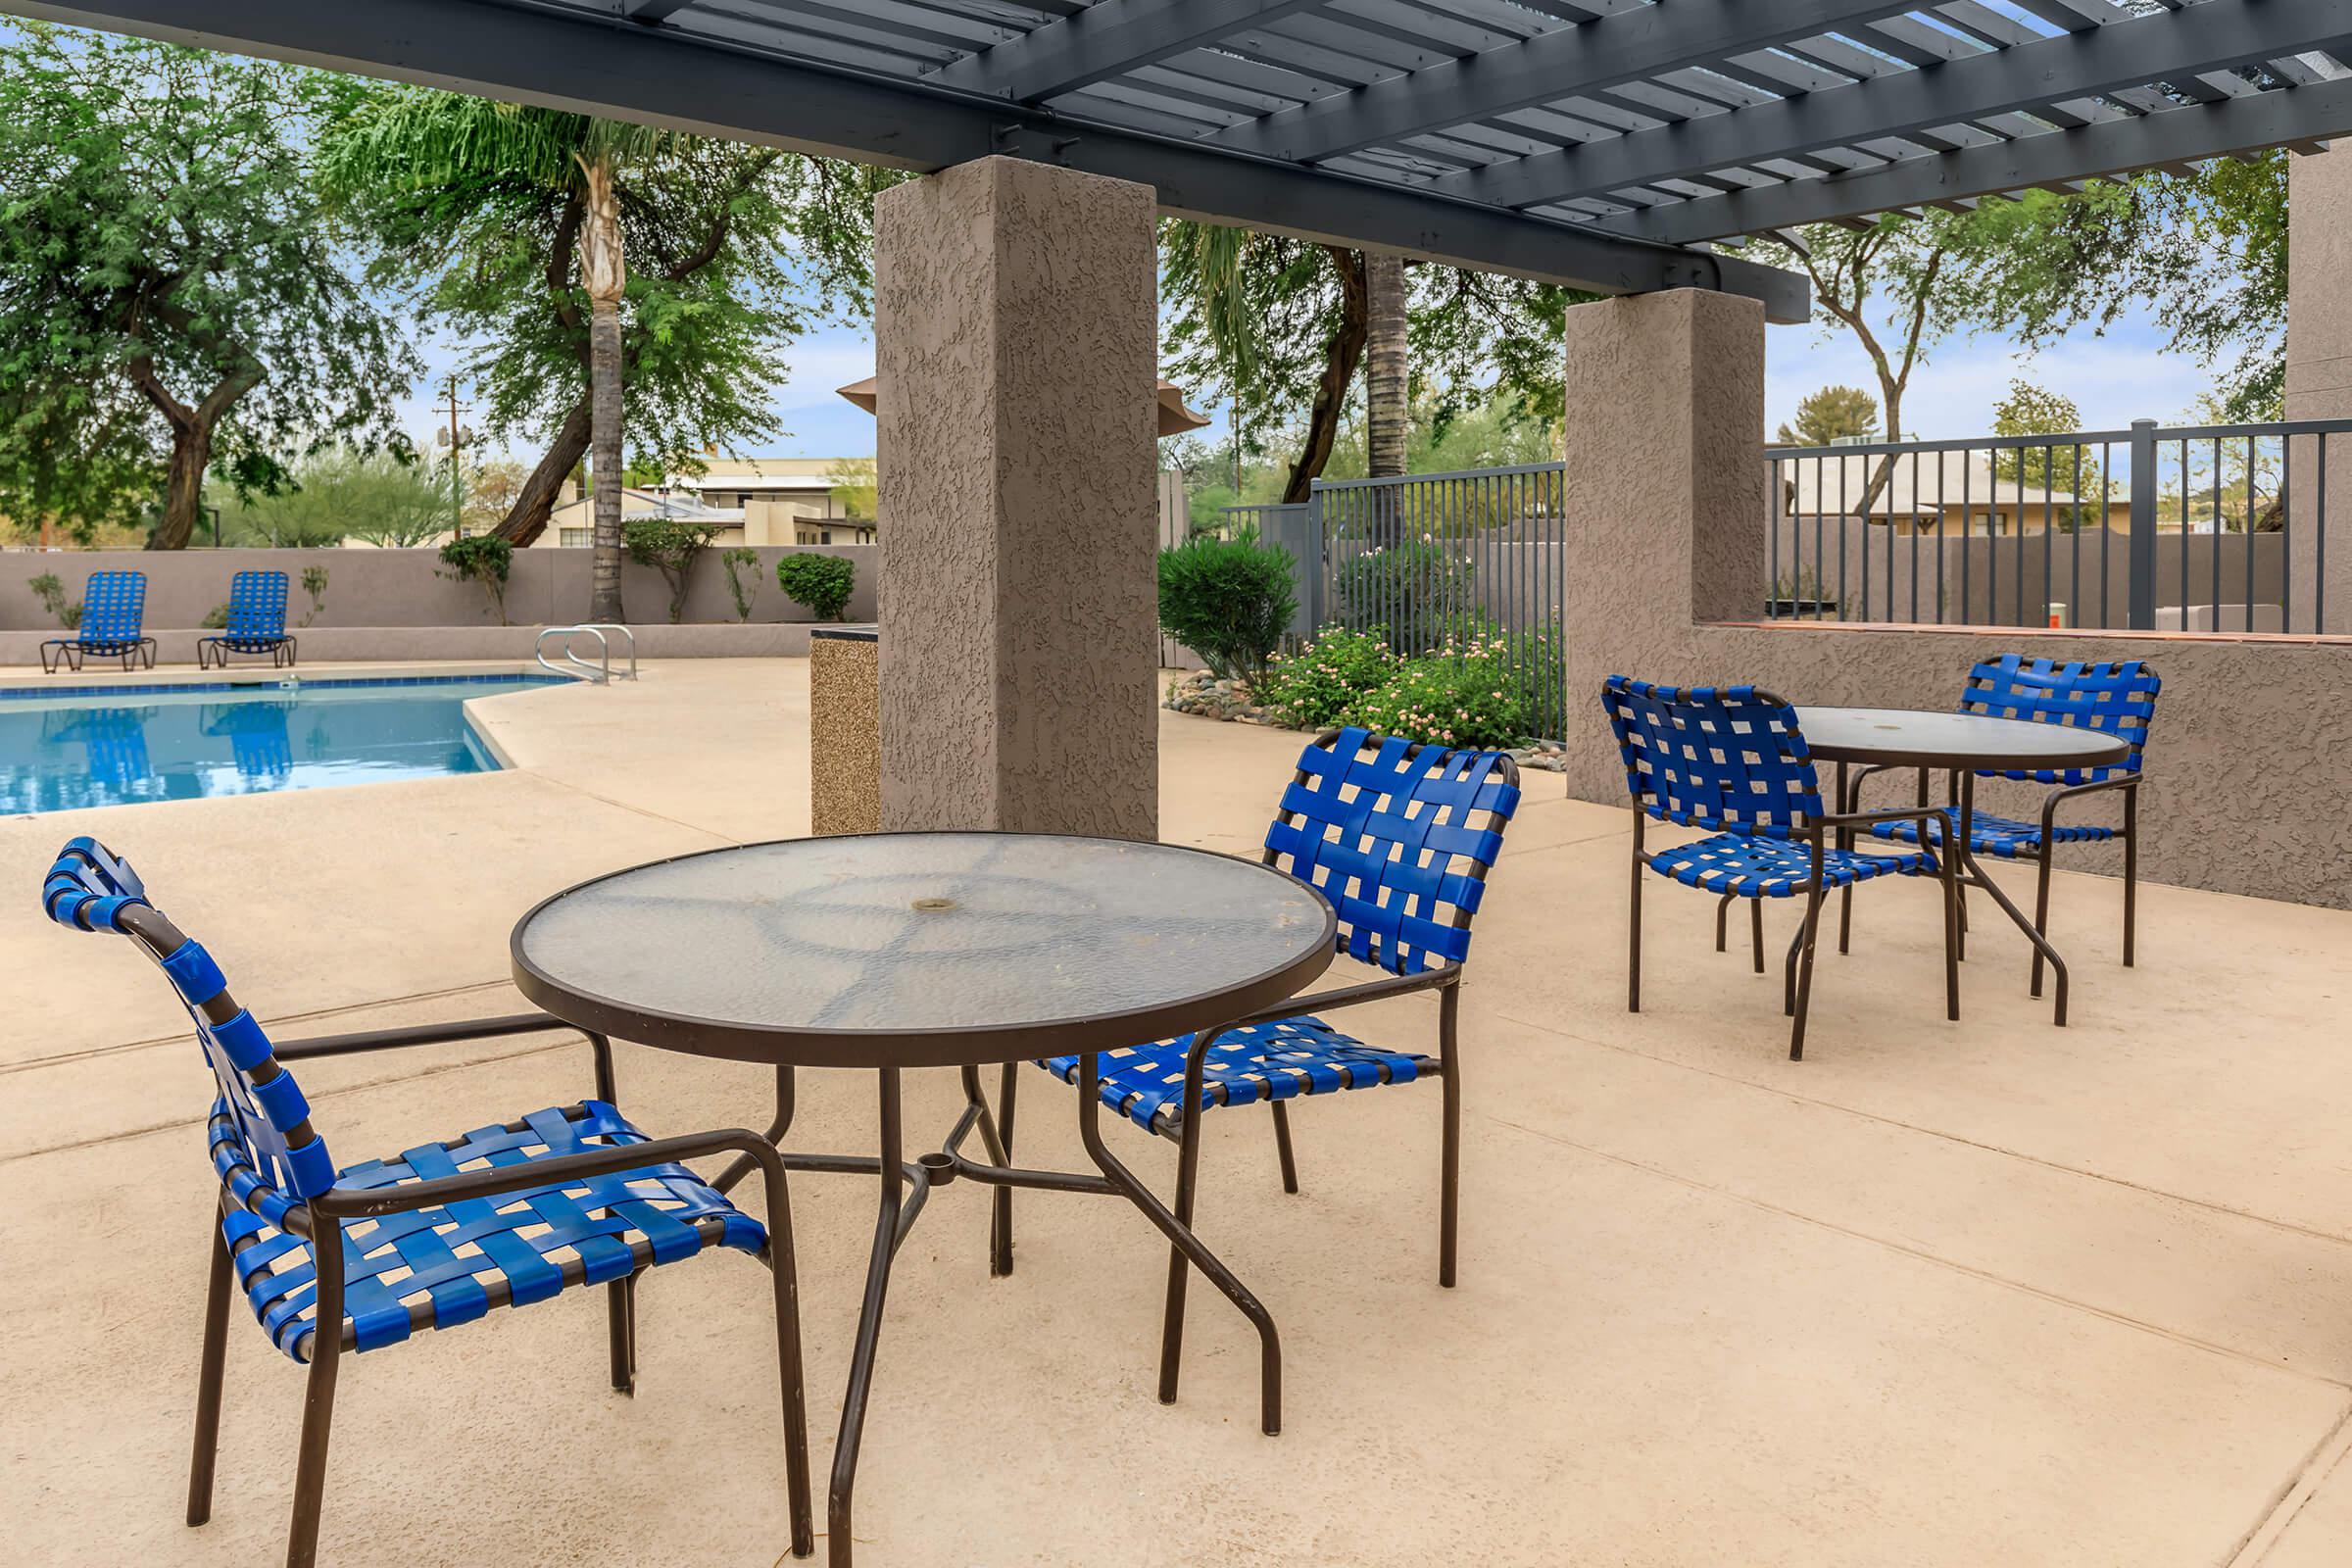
63	747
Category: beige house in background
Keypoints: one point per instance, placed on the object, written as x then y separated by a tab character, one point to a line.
755	501
1954	492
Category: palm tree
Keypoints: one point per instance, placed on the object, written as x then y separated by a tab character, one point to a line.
1385	361
423	139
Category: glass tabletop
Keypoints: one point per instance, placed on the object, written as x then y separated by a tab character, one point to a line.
920	948
1914	737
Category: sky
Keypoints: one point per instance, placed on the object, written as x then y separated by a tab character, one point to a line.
2117	378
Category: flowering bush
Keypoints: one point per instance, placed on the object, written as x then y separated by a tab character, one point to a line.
1467	693
1324	678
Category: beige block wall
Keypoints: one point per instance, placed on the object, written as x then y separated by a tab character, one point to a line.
2250	765
1016	346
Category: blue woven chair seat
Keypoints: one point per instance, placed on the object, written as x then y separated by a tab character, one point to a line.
1277	1060
1756	867
2005	836
437	1267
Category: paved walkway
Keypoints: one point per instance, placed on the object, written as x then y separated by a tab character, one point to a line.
1980	1293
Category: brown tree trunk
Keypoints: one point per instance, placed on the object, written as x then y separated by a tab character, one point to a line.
183	489
1386	409
528	518
603	271
1343	354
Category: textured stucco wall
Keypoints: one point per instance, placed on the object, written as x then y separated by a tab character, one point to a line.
844	736
393	588
2249	768
2319	378
1016	347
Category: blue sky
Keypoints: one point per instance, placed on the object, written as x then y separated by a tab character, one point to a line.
2117	378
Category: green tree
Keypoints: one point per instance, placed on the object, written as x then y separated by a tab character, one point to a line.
506	224
1281	327
172	300
2029	410
1833	414
342	494
856	488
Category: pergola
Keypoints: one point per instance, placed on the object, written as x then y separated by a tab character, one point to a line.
1606	144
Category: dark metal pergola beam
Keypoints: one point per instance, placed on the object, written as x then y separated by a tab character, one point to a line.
1104	40
2206	37
1611	52
565	59
2111	147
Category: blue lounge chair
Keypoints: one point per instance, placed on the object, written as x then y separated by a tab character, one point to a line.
2117	698
114	604
1730	759
506	1216
1398	837
257	622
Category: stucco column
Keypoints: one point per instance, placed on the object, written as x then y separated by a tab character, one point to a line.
1666	498
1016	347
2318	381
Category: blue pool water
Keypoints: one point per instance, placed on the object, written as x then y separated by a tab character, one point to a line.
65	747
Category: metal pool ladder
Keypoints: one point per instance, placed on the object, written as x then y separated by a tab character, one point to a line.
598	673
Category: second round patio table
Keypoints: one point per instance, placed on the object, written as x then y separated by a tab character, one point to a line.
1962	744
890	951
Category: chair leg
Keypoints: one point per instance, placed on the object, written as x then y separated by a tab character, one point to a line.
1755	931
310	1471
2042	912
2131	870
1633	961
620	1324
1796	947
1945	873
1723	908
1804	975
208	1382
1281	1147
1848	795
1187	1173
1449	1137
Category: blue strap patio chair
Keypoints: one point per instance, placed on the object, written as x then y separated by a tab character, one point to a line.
1398	837
114	607
2115	699
1731	761
257	622
506	1216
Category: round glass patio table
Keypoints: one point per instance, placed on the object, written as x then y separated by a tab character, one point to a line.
921	950
1961	745
890	951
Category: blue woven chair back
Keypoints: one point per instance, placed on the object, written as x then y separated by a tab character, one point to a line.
114	604
2116	698
257	607
264	1148
1398	837
1726	759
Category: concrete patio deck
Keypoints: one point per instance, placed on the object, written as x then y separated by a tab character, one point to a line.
1984	1292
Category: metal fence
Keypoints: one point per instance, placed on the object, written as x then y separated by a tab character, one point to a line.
1428	559
2196	529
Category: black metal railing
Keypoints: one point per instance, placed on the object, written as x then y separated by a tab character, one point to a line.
2198	528
1430	559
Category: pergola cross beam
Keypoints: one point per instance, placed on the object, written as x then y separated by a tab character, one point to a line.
1107	39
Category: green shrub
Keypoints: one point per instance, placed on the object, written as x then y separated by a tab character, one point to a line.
1465	694
313	583
741	585
1226	600
820	584
215	619
1312	687
1417	589
486	560
670	546
52	595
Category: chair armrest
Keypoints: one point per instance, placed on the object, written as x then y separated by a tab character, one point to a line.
340	1203
423	1034
1351	995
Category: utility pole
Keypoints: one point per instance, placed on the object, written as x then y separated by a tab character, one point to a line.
455	438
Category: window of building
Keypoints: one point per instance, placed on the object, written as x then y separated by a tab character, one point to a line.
826	537
573	538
